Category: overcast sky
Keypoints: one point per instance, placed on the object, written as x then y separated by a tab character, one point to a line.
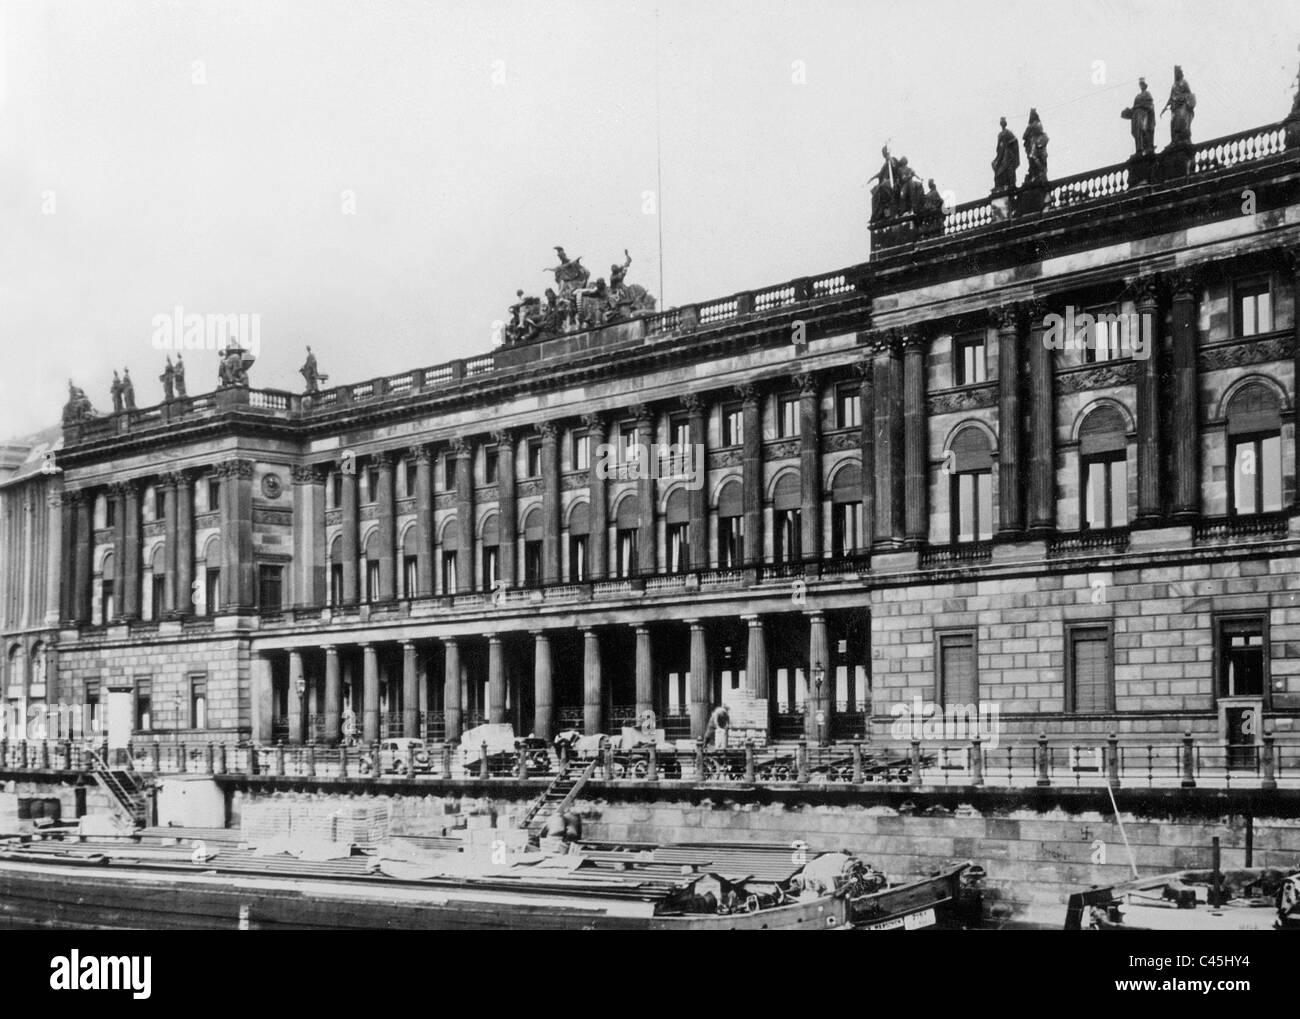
377	178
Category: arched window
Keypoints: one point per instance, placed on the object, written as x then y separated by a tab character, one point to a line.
731	525
336	570
158	582
969	462
371	556
677	522
450	548
846	510
627	521
579	532
1254	450
787	519
410	562
1103	469
533	547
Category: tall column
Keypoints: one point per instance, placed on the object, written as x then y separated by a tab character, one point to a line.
308	536
370	693
592	691
117	493
410	690
888	389
1042	431
54	560
550	502
424	566
1185	412
543	695
238	577
646	496
464	454
68	557
916	444
297	701
810	463
387	527
260	698
333	694
756	674
700	691
598	499
131	564
84	548
1149	455
819	700
348	539
752	469
496	680
171	547
1291	260
184	604
507	507
1009	321
696	460
451	688
644	672
867	444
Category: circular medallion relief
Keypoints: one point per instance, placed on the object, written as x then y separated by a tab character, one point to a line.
271	486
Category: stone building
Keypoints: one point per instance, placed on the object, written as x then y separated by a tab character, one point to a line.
910	483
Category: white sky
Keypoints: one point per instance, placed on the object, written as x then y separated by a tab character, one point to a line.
226	196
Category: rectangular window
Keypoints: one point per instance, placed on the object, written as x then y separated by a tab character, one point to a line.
534	458
489	567
157	594
91	719
212	589
1242	656
733	424
214	495
1254	308
848	407
144	704
581	451
372	580
1256	474
410	576
159	503
110	513
270	588
970	360
971	505
680	430
532	563
846	527
577	558
731	542
107	608
958	679
449	573
787	416
626	444
336	489
372	484
408	476
1090	682
1104	337
1105	492
787	539
627	552
198	702
448	472
491	461
336	584
679	548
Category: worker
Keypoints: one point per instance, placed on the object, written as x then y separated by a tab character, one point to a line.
715	734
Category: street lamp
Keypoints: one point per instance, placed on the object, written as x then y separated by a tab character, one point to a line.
819	677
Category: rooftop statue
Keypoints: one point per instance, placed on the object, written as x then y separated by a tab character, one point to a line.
78	407
232	370
168	379
1007	159
115	391
1292	121
1182	107
570	274
308	371
128	390
1142	118
883	194
178	377
1035	139
576	305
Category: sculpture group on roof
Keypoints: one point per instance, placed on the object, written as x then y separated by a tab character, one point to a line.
574	303
898	192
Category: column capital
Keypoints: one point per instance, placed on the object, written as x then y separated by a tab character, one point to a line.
641	628
76	496
171	479
816	615
1146	289
595	422
236	468
1289	257
806	382
1006	318
330	649
863	369
451	641
385	457
460	447
122	489
547	430
504	438
640	411
692	403
915	340
885	342
407	643
540	634
695	624
420	452
1184	282
493	637
753	619
308	474
748	391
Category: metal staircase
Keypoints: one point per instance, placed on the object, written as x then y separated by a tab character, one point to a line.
558	797
125	786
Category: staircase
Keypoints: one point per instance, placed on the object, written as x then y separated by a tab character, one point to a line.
125	787
558	797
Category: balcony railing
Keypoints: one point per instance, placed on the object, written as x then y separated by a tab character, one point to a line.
1110	540
1261	526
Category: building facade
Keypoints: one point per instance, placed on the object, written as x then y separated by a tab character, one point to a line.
1042	457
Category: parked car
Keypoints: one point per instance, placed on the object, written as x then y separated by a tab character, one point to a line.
393	755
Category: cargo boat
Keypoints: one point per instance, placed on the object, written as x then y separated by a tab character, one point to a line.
1252	898
141	885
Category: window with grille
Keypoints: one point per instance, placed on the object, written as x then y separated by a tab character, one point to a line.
958	678
1090	678
1243	656
270	584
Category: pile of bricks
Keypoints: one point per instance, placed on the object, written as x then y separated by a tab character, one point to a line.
315	821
